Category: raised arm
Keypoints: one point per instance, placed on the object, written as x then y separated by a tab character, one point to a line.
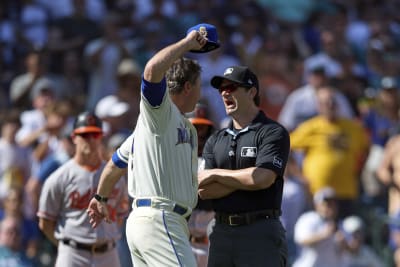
157	66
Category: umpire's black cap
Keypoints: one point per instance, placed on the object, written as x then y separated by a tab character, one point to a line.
238	74
87	122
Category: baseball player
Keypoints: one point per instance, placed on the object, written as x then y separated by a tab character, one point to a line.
66	195
162	176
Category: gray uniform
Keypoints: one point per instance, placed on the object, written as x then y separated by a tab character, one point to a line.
64	199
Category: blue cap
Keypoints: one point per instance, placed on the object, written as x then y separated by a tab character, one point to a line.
210	32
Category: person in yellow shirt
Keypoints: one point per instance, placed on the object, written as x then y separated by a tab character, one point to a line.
334	150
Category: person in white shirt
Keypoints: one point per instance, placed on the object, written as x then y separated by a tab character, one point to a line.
301	104
317	235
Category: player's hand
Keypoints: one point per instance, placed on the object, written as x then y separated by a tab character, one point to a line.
196	40
97	212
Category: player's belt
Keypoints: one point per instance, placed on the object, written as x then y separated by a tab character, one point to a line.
246	218
93	248
148	202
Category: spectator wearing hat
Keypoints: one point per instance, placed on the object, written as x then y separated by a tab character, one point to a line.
316	233
357	252
113	112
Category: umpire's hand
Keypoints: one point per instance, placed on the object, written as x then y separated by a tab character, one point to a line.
97	212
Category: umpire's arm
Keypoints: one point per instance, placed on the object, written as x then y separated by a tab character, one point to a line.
253	178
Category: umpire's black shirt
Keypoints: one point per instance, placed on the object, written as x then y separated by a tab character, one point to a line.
265	144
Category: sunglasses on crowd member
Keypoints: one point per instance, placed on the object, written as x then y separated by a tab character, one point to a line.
93	135
230	88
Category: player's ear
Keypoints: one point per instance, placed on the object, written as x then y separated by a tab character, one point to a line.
187	87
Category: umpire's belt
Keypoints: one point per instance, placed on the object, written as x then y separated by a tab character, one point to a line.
246	218
163	204
93	248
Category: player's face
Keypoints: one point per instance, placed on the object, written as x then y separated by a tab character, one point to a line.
87	143
194	95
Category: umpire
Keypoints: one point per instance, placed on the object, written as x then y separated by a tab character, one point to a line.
244	178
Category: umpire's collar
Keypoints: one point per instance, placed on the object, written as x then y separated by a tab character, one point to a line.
255	124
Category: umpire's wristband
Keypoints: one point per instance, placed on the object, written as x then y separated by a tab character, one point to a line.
101	198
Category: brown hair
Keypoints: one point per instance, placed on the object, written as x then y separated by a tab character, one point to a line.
182	70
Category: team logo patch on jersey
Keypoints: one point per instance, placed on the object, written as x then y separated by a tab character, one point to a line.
248	152
277	162
184	137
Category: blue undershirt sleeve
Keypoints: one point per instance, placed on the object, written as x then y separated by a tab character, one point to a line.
154	92
118	161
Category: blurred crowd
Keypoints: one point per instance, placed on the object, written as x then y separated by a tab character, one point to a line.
59	58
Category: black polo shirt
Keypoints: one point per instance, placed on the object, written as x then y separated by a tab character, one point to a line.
265	144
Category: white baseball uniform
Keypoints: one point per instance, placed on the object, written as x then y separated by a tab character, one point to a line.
64	198
163	173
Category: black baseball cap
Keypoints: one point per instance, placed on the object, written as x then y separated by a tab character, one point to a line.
238	74
87	122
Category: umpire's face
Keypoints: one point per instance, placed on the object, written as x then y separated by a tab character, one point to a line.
236	98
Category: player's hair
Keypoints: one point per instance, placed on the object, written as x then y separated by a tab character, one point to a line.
182	70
